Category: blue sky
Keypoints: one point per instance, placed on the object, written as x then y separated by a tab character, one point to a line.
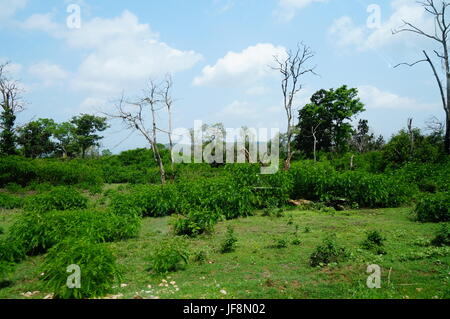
218	52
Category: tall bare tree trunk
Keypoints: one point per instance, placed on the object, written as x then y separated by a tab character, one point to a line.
156	150
447	118
438	10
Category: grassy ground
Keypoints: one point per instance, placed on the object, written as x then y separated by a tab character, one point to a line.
256	270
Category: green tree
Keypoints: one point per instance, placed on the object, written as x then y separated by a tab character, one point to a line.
10	105
7	135
324	124
66	145
35	138
401	149
363	140
85	131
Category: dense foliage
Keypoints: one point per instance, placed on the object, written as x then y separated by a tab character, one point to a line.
434	208
59	198
8	201
97	265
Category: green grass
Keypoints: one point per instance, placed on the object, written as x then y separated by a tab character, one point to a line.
257	270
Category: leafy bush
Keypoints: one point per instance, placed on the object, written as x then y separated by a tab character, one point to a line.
171	254
6	268
429	252
10	202
97	264
312	180
320	181
156	201
216	195
194	223
11	251
272	190
59	198
374	242
229	244
147	200
429	177
434	208
371	190
36	232
280	243
13	188
24	171
328	252
442	237
200	256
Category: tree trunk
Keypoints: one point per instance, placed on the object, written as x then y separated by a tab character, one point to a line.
156	151
447	134
447	117
287	163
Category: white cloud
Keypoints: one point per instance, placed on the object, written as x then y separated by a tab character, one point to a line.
374	98
12	69
9	7
43	22
345	33
251	114
49	74
121	52
287	9
247	67
238	108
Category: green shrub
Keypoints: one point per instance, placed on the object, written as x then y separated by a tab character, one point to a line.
11	251
428	177
10	202
147	200
124	204
229	244
371	190
429	252
156	200
194	223
24	171
433	208
374	242
312	180
6	268
200	256
442	237
271	190
329	252
216	195
59	198
36	232
171	254
280	243
320	182
97	264
13	188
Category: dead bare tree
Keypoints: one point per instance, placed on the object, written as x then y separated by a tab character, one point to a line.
314	136
411	135
435	126
292	68
11	103
168	102
135	119
441	37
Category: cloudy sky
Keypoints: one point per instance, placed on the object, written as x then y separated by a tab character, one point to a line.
219	53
